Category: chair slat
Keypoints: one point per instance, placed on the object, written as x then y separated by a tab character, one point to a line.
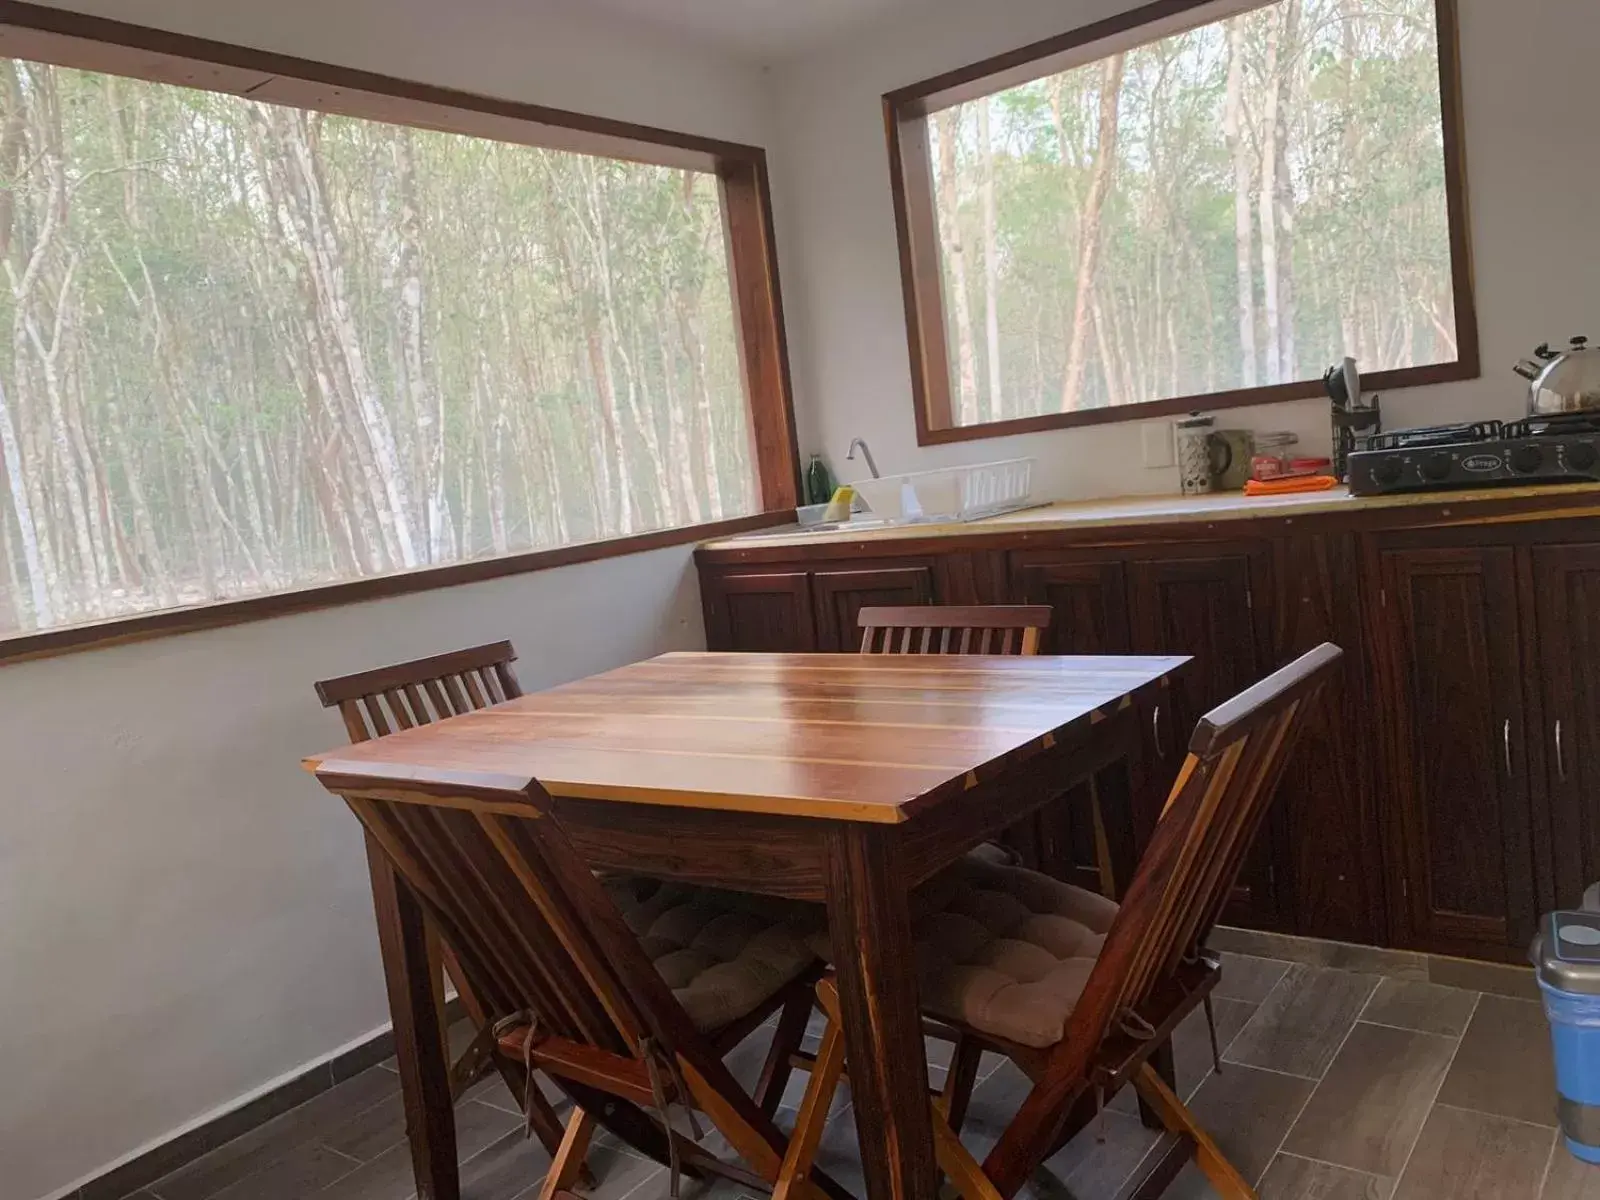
373	705
474	687
397	706
441	699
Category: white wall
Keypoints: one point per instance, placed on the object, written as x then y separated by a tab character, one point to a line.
184	914
1532	173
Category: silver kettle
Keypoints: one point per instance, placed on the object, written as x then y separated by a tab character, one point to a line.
1562	381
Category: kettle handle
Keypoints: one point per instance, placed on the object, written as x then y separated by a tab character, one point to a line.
1529	370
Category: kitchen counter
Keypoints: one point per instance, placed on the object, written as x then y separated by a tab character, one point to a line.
1568	499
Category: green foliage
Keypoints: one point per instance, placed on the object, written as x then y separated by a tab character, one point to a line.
256	348
1361	228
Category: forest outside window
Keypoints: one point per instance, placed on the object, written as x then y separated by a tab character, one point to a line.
1195	205
255	347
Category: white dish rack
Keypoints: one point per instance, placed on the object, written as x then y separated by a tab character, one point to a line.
951	494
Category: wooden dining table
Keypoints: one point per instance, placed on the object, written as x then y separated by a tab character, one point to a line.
844	780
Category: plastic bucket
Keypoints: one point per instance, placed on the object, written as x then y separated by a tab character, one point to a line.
1575	1032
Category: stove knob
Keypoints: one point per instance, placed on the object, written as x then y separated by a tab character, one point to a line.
1527	458
1581	455
1387	471
1436	467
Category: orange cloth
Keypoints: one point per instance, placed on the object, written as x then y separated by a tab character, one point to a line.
1290	485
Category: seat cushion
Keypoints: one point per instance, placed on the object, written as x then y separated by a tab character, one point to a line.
1006	950
722	953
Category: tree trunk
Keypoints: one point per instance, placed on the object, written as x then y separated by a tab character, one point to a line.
1267	199
991	268
1100	180
1233	128
950	234
1283	194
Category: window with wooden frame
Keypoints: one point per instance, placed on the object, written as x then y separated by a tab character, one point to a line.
282	334
1197	204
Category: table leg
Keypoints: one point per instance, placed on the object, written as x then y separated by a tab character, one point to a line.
408	969
870	922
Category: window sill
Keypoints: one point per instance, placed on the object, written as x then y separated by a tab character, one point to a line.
68	639
1382	381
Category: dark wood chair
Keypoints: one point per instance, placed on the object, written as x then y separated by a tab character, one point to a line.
1150	969
954	629
382	701
977	629
567	985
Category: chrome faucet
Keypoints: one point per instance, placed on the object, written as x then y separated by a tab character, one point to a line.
866	453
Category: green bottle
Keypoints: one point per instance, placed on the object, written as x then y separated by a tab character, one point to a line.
819	481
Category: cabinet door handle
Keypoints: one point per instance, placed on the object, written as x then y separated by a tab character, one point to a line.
1155	731
1561	758
1506	737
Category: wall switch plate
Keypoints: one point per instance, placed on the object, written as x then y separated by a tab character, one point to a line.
1158	444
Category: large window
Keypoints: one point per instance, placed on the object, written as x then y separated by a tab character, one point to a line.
254	346
1185	210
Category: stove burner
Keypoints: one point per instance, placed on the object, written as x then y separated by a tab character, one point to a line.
1554	425
1437	435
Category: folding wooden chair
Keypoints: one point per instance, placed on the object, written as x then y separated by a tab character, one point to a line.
555	957
1105	985
382	701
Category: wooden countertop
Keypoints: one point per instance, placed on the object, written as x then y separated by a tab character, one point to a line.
1566	499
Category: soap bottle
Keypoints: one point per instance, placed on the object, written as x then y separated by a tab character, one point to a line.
819	481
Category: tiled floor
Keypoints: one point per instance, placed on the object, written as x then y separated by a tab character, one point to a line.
1336	1085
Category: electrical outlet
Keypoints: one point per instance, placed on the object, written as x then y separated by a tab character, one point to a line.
1158	444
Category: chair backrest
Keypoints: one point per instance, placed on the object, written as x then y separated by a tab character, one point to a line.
954	629
378	702
531	925
1224	788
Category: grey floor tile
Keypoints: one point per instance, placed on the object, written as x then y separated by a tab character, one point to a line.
1299	1026
1429	1007
1495	978
302	1171
1569	1178
1370	1106
1246	1111
1504	1065
389	1177
263	1145
1314	952
1464	1155
509	1168
1247	978
1292	1178
619	1173
1191	1049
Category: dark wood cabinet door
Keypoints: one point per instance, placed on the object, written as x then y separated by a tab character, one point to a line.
1333	882
1089	600
1203	604
769	612
1566	585
1452	708
841	595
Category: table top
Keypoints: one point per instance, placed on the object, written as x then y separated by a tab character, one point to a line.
839	736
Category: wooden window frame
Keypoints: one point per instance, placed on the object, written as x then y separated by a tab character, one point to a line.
66	39
916	220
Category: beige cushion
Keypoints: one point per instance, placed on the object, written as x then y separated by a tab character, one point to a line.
1007	950
722	953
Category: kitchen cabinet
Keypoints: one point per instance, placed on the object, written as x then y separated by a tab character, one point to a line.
1330	867
1446	793
1088	598
1452	708
1200	601
840	595
1566	590
767	611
